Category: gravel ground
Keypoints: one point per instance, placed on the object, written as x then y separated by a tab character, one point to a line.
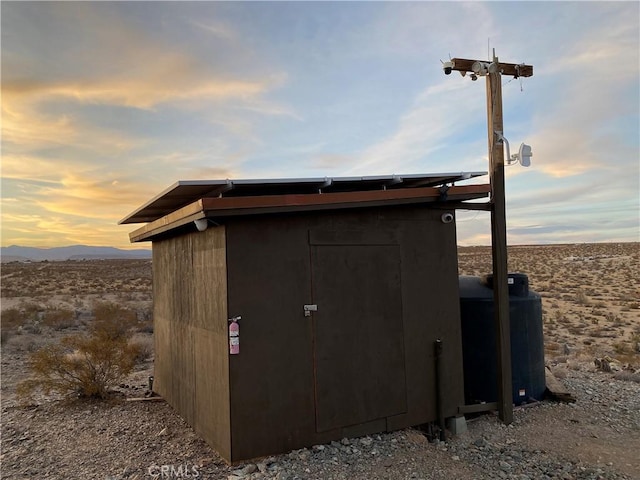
590	308
598	437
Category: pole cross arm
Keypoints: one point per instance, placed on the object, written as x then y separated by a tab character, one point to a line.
511	69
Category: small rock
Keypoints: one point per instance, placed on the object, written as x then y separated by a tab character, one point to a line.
481	442
366	441
249	469
304	454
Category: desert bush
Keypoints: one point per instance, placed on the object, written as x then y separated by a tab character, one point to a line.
33	327
144	346
581	298
83	365
23	343
575	330
624	348
560	372
30	309
146	327
12	318
112	320
627	376
552	347
59	318
561	317
612	317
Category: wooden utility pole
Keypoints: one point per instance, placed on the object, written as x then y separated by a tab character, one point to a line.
493	70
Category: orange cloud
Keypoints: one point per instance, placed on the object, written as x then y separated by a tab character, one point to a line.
145	89
87	197
75	210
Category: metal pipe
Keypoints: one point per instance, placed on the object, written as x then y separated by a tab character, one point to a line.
439	393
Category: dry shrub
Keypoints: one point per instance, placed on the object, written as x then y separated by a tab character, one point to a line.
33	327
146	326
112	319
23	343
581	298
12	318
624	348
59	318
144	346
24	317
30	310
83	365
627	358
560	372
552	347
627	376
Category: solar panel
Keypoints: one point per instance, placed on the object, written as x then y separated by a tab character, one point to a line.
185	192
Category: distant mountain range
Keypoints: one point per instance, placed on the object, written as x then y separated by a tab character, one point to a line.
16	253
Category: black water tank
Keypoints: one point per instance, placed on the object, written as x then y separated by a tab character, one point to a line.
479	340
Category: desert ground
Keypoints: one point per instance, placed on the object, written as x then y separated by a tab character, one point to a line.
591	310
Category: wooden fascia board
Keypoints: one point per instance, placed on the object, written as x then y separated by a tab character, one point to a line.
176	219
232	212
286	202
234	206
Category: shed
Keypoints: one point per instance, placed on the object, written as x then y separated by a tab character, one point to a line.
342	286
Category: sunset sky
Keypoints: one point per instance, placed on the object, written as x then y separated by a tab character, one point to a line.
106	104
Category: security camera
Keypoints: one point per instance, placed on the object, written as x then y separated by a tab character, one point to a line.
447	67
447	217
201	224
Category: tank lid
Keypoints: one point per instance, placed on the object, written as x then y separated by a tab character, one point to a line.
518	283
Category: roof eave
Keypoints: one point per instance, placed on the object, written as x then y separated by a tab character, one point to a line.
239	206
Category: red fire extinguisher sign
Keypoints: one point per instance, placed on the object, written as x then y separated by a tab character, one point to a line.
234	336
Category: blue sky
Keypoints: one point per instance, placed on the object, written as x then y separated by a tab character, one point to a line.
106	104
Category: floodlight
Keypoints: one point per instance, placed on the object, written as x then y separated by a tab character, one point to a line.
201	224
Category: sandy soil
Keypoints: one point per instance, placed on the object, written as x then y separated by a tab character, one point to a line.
591	309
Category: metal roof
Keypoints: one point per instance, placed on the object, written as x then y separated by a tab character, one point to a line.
184	192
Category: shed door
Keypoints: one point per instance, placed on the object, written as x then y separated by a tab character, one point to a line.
359	340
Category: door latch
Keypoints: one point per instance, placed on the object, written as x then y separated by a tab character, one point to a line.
310	308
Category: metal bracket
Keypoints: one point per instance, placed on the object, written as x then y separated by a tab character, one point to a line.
309	308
